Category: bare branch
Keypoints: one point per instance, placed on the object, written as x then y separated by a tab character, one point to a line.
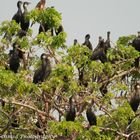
30	107
118	75
115	131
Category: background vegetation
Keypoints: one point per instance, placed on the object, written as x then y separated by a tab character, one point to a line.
40	109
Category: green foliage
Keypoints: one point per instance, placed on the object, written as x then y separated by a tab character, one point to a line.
122	115
12	84
10	27
125	40
136	125
49	16
43	103
45	40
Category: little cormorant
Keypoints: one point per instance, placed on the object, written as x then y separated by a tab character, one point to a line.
18	15
44	70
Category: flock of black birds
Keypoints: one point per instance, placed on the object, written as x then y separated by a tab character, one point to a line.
44	70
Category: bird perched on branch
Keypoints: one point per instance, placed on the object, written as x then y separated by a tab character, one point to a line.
87	42
14	60
45	28
103	89
41	5
17	18
71	112
100	51
18	14
75	42
44	70
135	99
24	21
91	117
136	45
107	42
59	30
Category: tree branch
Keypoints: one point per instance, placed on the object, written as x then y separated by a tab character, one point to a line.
118	75
115	131
30	107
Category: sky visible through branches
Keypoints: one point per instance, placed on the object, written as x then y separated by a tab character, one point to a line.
95	17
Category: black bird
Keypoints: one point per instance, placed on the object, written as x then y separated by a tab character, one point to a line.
136	42
135	99
24	21
103	89
87	42
44	70
136	45
71	112
2	102
107	42
59	30
75	42
15	122
101	40
14	60
17	18
100	51
91	117
18	49
18	15
45	28
19	52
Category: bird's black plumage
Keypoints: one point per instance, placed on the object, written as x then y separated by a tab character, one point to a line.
14	60
14	122
45	28
75	42
100	51
59	30
135	99
107	42
136	42
136	45
87	42
71	112
18	15
44	70
103	89
91	117
24	21
18	49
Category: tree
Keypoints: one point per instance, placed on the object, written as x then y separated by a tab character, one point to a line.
37	110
